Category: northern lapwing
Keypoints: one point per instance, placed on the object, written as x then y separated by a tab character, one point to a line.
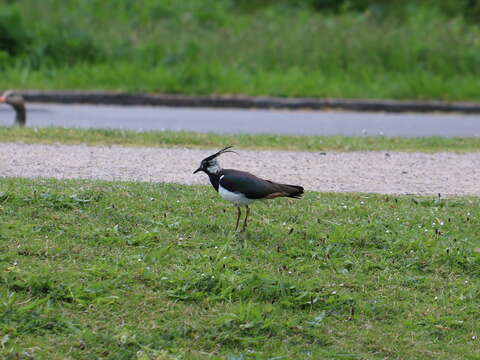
242	188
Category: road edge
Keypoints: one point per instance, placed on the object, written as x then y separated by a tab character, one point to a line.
240	101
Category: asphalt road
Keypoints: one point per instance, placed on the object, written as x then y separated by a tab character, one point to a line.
233	121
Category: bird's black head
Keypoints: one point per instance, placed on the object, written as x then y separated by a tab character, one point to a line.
210	165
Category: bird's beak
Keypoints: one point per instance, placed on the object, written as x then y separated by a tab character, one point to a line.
2	99
199	169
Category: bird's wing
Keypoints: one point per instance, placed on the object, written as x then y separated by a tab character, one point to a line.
252	186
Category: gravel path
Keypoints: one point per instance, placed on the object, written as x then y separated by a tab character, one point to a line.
376	172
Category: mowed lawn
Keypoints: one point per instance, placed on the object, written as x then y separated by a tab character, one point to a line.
108	270
53	135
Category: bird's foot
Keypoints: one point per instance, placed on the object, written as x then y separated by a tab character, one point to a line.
241	237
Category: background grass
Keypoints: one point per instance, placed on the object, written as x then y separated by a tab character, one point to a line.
355	49
153	271
191	139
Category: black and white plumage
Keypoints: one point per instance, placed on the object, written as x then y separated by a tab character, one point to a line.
16	101
242	188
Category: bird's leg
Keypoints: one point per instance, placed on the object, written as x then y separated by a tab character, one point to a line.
238	217
246	217
21	116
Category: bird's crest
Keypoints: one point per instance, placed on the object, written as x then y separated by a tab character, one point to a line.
223	151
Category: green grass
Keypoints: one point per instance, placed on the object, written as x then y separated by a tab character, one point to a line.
284	48
191	139
154	271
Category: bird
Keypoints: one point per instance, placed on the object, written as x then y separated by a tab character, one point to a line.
15	100
242	188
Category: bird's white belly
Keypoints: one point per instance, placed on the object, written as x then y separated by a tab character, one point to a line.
236	198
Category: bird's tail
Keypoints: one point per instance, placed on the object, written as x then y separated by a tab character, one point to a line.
293	191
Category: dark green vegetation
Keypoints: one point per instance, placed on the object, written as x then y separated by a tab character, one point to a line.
121	270
191	139
328	48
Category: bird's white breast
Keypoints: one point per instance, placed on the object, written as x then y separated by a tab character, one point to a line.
236	198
